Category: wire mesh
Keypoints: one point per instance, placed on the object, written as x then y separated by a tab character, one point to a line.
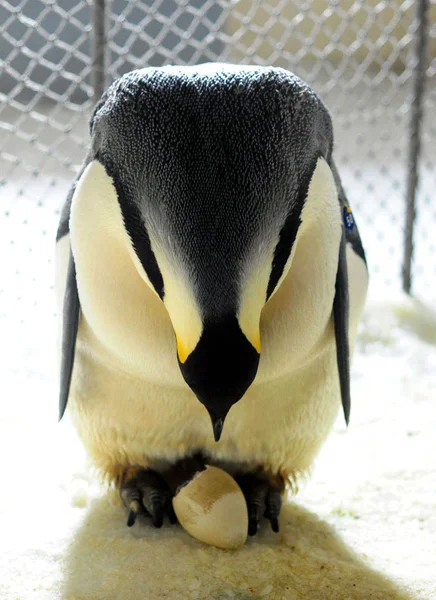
424	268
356	54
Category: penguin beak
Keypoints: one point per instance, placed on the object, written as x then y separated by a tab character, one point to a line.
218	351
217	424
221	368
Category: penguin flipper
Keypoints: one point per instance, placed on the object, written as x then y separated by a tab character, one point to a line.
341	303
71	304
340	315
70	324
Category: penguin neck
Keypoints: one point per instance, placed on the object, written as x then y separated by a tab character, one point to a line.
320	229
321	215
297	316
118	304
316	251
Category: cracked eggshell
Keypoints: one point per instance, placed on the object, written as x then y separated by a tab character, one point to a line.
212	508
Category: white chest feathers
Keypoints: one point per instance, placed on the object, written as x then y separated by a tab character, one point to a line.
128	395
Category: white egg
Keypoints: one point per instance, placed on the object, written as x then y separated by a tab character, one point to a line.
212	508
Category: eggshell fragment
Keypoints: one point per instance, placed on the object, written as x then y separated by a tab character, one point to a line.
212	508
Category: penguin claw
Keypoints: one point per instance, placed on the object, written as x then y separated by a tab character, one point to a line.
274	524
131	518
157	514
145	492
135	507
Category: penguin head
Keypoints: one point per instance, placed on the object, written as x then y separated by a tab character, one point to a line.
211	166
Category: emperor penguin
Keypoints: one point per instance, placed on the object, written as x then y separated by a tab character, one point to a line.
209	272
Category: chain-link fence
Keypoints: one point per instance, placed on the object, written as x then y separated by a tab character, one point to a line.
367	60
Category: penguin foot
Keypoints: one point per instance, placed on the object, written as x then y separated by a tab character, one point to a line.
145	492
263	495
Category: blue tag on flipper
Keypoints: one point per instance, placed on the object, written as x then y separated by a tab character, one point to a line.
348	218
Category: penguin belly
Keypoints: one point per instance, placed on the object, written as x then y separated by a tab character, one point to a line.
125	420
131	406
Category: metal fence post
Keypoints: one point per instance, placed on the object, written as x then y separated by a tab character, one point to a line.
416	113
98	48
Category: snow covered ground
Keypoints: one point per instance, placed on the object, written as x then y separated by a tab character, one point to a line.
364	525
